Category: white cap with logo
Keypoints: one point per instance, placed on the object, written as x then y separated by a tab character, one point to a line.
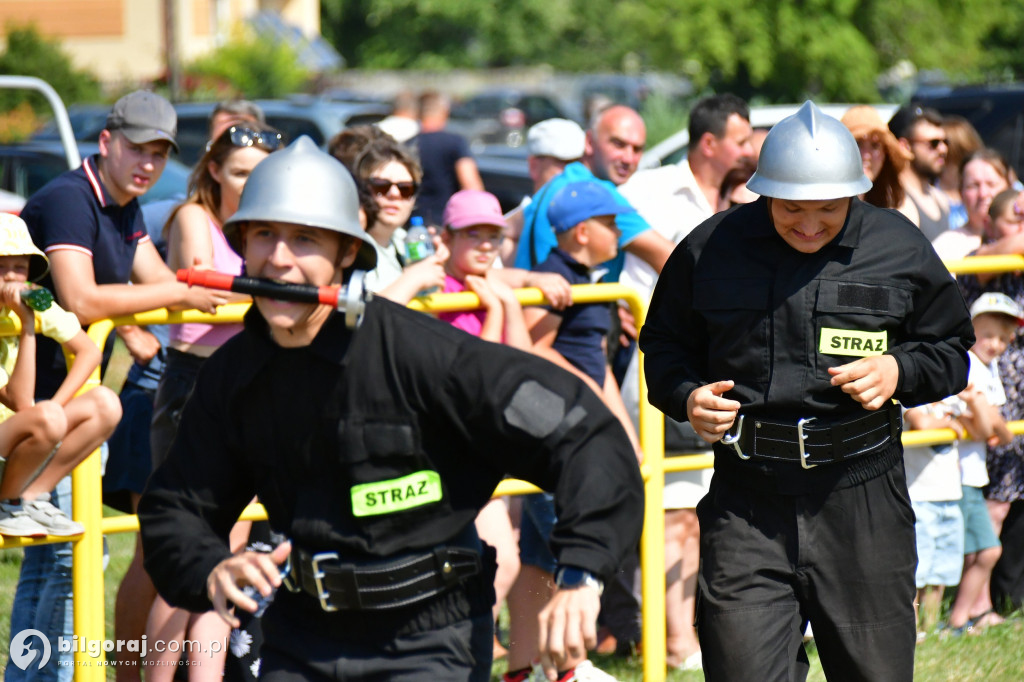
1002	304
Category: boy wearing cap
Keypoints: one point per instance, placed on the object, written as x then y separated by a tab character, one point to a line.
88	223
996	318
957	540
583	218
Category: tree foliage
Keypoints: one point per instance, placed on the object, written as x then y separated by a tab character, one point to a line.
248	67
769	50
28	53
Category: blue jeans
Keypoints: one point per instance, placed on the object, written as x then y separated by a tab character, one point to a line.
43	601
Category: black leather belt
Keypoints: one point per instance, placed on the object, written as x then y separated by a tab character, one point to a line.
409	579
812	441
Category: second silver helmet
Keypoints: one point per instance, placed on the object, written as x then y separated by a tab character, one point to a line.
809	156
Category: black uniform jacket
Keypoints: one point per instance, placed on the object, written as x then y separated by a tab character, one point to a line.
382	441
734	301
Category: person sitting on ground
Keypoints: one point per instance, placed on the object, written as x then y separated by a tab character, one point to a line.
44	440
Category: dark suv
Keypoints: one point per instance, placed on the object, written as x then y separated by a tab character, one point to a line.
996	111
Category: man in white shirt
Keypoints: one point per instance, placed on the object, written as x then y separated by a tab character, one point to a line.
675	199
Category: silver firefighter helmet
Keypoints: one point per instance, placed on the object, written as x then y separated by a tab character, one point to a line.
305	186
809	156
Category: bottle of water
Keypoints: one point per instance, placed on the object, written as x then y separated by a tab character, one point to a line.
418	245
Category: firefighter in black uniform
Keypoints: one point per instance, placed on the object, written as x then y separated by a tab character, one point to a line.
783	330
372	449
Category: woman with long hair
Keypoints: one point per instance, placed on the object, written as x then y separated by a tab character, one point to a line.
881	155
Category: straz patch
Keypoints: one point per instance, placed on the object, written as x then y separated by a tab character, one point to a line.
397	494
851	342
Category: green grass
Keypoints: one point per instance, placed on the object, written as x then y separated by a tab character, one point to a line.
995	656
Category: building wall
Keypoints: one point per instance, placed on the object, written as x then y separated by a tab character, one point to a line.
123	40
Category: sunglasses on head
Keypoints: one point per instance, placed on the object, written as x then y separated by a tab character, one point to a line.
267	140
382	186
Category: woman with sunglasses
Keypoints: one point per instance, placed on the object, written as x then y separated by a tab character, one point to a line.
195	239
392	174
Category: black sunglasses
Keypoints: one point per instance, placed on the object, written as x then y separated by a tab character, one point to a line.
934	142
267	140
382	186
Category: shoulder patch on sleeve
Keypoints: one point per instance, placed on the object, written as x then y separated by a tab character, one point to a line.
535	409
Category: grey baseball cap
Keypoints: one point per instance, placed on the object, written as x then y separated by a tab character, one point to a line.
144	116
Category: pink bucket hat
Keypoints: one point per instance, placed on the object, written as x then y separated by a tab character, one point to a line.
473	207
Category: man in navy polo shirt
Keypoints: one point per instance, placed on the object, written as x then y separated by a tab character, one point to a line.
88	223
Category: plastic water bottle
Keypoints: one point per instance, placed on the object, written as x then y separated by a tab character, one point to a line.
418	245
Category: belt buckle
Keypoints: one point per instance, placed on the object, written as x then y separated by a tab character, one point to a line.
734	440
318	577
287	579
800	438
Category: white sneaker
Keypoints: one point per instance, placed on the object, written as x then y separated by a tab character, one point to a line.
16	522
584	672
52	519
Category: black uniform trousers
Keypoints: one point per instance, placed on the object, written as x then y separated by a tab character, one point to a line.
843	559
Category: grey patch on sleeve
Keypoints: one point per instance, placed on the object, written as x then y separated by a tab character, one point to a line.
535	409
575	416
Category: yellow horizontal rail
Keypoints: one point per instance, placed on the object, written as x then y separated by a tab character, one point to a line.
975	265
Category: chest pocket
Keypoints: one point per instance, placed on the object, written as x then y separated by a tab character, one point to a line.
853	320
736	315
386	477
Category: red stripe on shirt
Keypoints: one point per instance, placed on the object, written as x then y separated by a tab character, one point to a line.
95	182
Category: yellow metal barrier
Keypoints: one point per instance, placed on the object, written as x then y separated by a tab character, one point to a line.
87	498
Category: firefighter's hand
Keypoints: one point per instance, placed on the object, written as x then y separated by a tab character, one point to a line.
870	381
709	413
259	569
568	627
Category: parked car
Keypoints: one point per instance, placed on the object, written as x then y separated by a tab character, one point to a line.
996	111
319	118
631	90
26	167
502	116
87	120
673	148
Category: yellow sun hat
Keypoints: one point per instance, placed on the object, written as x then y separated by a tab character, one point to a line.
15	241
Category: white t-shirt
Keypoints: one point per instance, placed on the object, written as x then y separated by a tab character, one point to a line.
972	452
956	244
671	201
933	472
389	268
